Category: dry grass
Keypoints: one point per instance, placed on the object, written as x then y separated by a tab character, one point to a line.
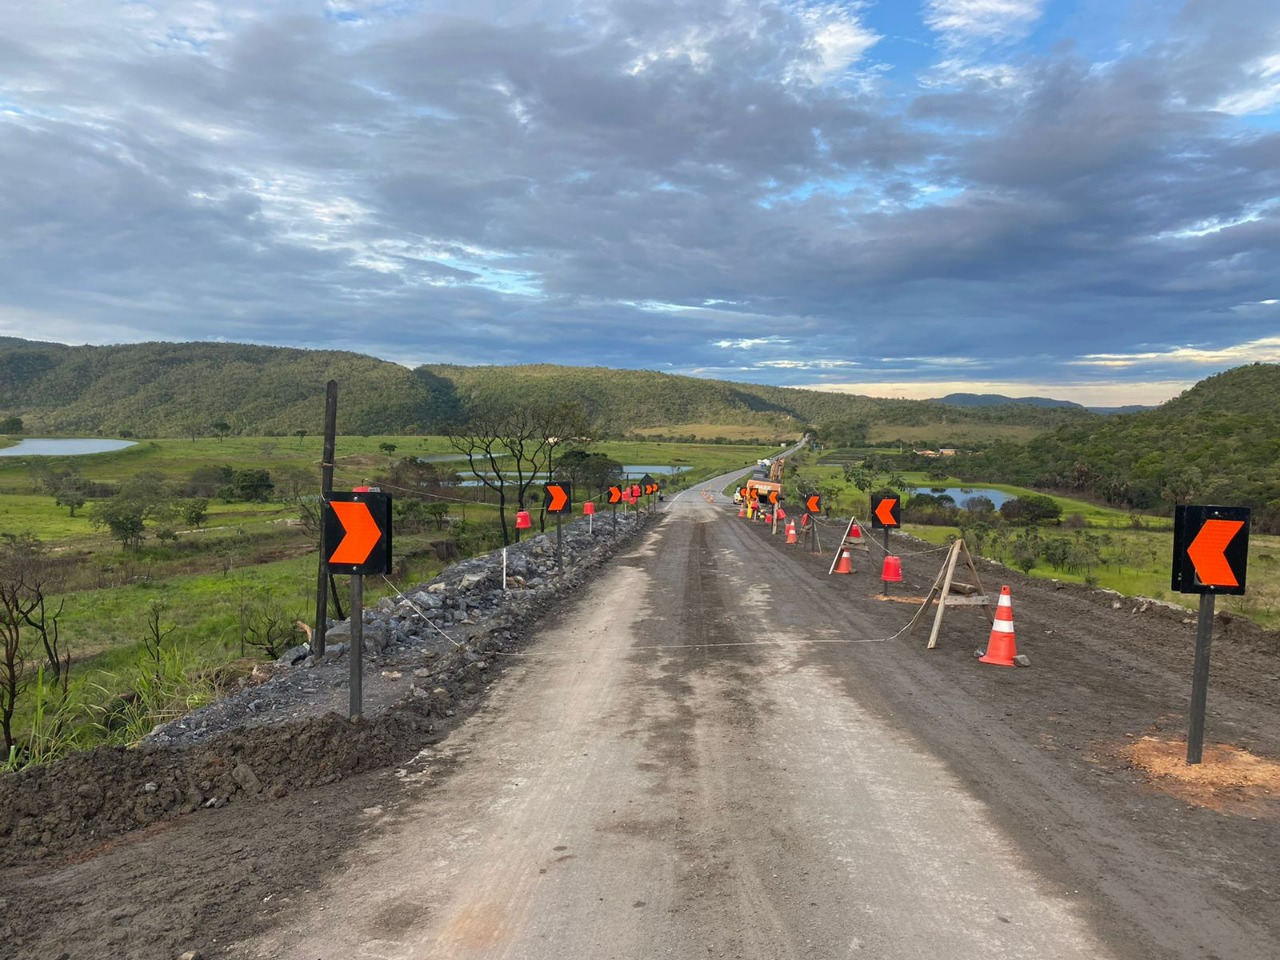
1229	779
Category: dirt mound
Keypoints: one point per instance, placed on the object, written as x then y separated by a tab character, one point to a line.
99	794
1229	779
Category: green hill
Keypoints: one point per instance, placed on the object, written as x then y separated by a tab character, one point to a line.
175	389
1217	443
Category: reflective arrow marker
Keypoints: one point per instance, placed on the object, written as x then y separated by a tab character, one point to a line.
362	532
1208	552
884	512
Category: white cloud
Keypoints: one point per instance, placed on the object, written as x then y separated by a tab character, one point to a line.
1263	350
960	21
1262	94
840	39
749	343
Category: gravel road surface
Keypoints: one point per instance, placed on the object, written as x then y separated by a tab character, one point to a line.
716	749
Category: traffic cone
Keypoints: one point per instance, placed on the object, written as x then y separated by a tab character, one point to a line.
791	531
855	531
742	511
891	572
846	562
1002	647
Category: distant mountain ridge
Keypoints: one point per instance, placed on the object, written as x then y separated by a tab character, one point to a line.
177	389
998	399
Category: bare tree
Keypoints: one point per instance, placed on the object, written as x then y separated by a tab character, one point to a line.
13	665
266	625
509	447
16	605
158	633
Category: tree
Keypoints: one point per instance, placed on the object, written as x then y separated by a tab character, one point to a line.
510	445
290	483
195	511
267	626
67	487
252	484
221	428
589	473
158	633
11	425
125	518
207	481
1031	509
125	515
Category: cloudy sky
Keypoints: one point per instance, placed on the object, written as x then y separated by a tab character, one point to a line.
1078	198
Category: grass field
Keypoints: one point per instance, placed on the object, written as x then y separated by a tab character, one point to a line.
206	588
1135	561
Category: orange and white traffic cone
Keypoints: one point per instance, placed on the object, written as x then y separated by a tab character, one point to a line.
1002	647
742	511
791	531
846	562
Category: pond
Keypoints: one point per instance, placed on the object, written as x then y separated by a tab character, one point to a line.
63	448
631	470
961	494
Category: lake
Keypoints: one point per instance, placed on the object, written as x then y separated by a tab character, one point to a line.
63	448
960	495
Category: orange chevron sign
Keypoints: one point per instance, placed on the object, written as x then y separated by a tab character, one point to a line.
357	532
615	494
813	503
1208	552
558	499
886	512
1210	549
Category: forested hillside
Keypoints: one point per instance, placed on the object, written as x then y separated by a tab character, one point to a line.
166	389
176	389
642	398
1218	443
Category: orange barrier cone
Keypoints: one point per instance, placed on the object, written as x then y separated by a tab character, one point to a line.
846	562
791	531
891	572
742	511
1002	647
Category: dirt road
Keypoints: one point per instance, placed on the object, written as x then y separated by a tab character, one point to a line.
718	750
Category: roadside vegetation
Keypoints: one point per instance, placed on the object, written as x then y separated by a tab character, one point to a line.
139	584
1043	535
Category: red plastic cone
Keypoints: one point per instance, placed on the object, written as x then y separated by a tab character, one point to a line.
791	531
891	572
846	562
1002	647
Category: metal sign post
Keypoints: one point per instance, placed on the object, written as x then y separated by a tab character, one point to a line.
326	487
1200	679
357	646
1210	556
558	499
357	540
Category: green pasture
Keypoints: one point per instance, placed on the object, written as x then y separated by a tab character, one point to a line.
1134	560
206	584
354	458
